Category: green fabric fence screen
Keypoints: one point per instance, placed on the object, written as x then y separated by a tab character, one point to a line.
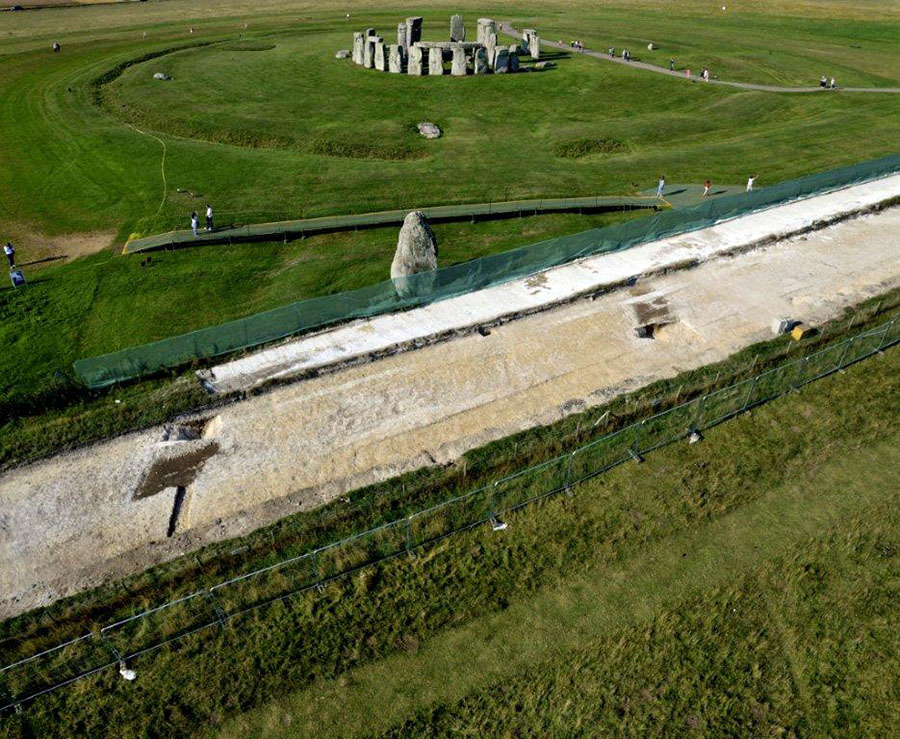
448	282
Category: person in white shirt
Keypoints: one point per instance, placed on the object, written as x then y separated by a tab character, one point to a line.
209	218
10	254
661	187
750	181
195	221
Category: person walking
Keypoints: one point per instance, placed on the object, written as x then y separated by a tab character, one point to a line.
706	186
671	65
10	254
750	182
823	82
209	217
832	83
195	222
661	186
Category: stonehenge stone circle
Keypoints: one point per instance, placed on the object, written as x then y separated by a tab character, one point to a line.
395	59
459	62
414	63
413	30
416	57
457	28
435	62
417	252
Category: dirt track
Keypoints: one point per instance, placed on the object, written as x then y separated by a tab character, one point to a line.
73	521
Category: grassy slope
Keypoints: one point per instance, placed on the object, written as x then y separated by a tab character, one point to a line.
698	527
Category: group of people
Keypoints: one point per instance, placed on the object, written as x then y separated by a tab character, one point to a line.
195	220
578	45
661	186
826	84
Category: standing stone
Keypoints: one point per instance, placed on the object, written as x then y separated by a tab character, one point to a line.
395	59
459	62
501	60
414	63
369	52
435	62
417	252
534	47
485	28
457	28
358	48
526	40
491	45
368	32
380	57
513	59
480	61
401	38
413	30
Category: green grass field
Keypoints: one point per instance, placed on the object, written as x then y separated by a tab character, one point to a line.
741	585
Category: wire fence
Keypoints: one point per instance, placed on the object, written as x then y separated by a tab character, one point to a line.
214	607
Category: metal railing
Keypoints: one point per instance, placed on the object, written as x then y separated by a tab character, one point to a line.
216	606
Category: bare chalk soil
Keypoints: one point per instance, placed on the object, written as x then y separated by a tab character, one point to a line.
75	520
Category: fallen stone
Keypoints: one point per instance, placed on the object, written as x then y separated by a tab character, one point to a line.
395	59
544	65
413	30
459	66
417	252
343	54
381	62
414	62
650	46
429	130
480	61
161	76
358	48
457	28
435	62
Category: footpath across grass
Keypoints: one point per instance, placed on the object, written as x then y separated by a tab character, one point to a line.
791	471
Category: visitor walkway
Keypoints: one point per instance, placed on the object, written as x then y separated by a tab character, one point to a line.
510	30
327	224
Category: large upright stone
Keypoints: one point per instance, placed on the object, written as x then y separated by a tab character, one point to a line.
368	32
381	62
480	61
413	30
401	38
414	62
491	45
526	40
534	46
485	27
457	28
417	252
501	60
435	62
458	68
369	52
513	63
395	59
358	48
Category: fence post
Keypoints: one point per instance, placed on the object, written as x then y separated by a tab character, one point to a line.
840	364
569	470
749	393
